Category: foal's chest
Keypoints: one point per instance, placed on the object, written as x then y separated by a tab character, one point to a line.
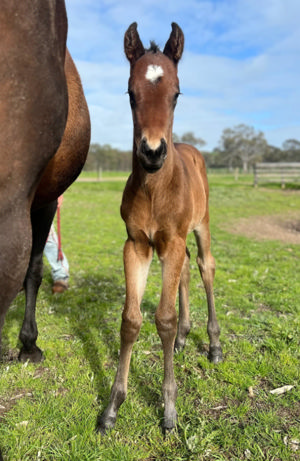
155	213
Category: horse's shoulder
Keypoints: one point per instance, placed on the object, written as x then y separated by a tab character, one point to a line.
189	153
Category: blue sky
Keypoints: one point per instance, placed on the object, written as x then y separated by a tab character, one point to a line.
241	64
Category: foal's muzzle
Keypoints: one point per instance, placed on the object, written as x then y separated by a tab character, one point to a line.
152	160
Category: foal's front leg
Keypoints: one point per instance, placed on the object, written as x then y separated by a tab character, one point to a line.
137	259
172	259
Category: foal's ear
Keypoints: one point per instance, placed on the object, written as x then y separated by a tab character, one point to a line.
133	46
174	46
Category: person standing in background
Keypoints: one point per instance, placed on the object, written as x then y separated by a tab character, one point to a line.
56	257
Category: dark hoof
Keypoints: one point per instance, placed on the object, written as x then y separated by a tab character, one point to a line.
105	424
168	431
169	422
179	345
169	426
35	355
215	354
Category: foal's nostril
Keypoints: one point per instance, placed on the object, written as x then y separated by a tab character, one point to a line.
152	159
161	150
145	147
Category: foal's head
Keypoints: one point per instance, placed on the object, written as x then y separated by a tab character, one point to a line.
153	89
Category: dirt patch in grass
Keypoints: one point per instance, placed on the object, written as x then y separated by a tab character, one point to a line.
283	228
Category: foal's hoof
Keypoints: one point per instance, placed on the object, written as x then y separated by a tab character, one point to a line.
105	424
179	345
215	354
169	426
169	421
34	355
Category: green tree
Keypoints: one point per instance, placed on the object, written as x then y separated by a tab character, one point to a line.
291	149
105	157
273	154
242	145
189	138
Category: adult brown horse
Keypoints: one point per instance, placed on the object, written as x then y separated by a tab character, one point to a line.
59	174
33	113
165	197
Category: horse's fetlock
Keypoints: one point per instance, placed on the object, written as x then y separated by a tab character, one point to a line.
213	331
185	328
119	397
28	338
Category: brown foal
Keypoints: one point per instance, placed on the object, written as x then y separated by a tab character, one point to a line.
165	197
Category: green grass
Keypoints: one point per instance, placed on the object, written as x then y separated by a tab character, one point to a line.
49	411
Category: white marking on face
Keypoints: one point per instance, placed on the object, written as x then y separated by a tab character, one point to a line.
154	73
153	143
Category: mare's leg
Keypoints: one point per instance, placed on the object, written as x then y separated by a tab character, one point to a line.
137	259
184	315
172	256
41	222
15	246
206	265
2	316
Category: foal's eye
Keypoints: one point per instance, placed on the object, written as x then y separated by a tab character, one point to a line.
175	99
131	99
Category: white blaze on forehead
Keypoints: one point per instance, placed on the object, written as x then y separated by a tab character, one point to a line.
154	73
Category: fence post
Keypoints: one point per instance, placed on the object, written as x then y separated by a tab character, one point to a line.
255	175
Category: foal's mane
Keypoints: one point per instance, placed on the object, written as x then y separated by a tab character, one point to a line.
154	48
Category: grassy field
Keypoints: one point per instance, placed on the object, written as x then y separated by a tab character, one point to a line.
226	412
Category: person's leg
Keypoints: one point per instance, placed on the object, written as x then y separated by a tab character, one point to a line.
59	268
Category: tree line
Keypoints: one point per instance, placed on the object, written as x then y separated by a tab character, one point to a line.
239	147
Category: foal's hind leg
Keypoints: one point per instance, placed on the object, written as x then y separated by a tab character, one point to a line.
184	315
41	223
206	265
137	259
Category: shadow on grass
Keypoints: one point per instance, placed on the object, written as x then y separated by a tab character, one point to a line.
14	316
96	310
102	310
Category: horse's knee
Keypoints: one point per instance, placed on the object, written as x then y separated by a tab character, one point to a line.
207	263
166	324
130	327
